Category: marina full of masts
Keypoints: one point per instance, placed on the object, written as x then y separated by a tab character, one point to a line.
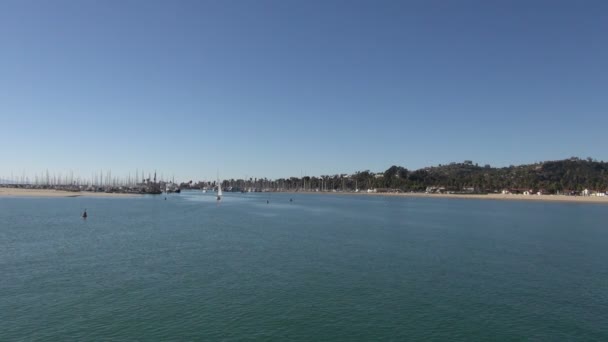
152	184
99	182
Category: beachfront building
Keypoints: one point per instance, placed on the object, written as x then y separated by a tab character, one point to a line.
435	189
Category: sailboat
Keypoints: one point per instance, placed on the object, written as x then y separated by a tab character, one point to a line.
219	190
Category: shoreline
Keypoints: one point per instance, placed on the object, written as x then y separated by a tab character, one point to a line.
51	193
495	197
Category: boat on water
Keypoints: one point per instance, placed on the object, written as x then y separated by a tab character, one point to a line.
219	191
172	187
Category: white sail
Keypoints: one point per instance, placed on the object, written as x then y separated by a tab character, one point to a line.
219	190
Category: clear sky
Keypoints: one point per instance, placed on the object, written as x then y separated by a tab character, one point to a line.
281	88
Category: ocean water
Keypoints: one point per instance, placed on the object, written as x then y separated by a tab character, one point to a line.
321	268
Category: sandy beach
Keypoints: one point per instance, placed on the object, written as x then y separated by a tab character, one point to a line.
498	197
14	192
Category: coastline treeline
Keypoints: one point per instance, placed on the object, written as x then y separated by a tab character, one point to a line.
572	174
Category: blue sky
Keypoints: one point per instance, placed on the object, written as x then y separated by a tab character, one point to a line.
281	88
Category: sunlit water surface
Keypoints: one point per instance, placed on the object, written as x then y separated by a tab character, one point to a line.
323	267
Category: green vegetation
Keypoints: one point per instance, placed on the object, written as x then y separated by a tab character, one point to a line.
572	174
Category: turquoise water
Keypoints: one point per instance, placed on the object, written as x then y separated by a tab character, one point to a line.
325	267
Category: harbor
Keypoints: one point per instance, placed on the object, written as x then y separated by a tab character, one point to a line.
569	180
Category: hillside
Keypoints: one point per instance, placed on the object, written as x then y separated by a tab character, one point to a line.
572	174
552	176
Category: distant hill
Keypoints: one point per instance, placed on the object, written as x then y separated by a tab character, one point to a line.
572	174
551	176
